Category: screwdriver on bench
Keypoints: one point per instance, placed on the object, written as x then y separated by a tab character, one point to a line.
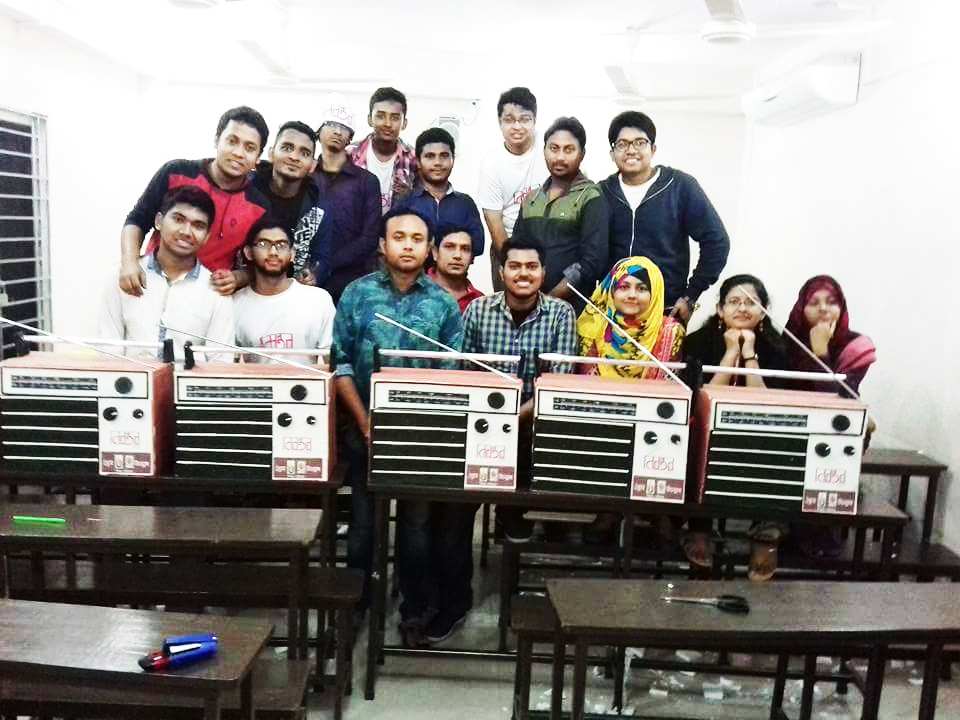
727	603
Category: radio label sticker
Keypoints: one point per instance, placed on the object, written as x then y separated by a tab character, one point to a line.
297	468
485	477
114	463
657	489
828	501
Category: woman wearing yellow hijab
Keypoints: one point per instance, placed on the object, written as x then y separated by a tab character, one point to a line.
631	295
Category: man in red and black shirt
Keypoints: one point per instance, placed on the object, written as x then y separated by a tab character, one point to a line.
241	136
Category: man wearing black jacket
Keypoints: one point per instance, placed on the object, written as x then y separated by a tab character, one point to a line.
656	210
295	200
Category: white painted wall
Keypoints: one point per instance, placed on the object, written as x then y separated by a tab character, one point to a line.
869	196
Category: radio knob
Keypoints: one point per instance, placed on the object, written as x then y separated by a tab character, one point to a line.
496	400
650	437
284	419
822	449
311	420
481	425
676	439
506	427
840	423
298	392
849	450
110	413
138	414
665	410
123	385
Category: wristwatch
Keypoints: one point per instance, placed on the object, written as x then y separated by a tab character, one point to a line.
752	357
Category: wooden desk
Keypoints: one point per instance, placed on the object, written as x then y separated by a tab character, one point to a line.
881	516
907	464
99	647
251	533
785	618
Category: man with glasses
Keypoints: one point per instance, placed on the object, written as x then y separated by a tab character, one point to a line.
656	210
275	311
511	173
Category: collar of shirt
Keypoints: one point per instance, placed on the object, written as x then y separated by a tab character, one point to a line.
421	189
383	277
500	300
432	273
154	265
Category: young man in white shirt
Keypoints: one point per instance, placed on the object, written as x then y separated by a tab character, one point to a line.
176	291
509	174
275	311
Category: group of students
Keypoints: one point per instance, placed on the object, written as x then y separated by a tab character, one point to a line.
305	251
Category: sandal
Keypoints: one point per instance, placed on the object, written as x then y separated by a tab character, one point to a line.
699	549
763	560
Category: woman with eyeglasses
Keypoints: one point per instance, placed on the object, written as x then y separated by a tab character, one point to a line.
739	335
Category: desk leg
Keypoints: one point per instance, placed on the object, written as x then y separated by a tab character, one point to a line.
579	679
556	678
809	680
328	528
378	591
931	682
297	606
874	684
933	485
211	707
628	522
779	685
303	633
859	541
508	562
246	697
887	552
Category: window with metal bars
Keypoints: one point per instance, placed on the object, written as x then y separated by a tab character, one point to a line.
24	239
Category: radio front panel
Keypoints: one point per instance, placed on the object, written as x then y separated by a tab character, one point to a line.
432	428
611	437
790	455
60	413
260	423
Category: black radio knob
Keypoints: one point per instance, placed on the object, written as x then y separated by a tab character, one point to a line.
822	449
650	437
849	450
284	419
298	392
311	420
506	427
841	423
665	410
123	385
496	400
110	413
481	425
138	414
676	439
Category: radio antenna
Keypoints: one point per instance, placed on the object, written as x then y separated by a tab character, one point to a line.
800	344
441	345
250	351
663	368
74	341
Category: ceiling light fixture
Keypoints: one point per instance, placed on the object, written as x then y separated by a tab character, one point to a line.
728	32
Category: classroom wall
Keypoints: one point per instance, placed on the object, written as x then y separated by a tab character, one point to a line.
867	195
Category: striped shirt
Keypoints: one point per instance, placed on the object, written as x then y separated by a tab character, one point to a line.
488	327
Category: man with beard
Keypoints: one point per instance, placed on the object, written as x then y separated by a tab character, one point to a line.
568	216
175	289
452	254
295	200
241	136
275	311
353	196
434	196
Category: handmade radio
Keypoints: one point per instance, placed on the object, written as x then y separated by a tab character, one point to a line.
444	428
611	436
68	413
254	421
784	449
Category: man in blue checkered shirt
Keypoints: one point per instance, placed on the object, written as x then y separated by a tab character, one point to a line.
521	320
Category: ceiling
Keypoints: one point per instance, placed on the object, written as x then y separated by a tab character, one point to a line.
619	49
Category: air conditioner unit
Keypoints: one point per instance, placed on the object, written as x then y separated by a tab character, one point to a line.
821	87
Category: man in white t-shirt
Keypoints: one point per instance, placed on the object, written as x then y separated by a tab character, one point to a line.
509	174
275	311
382	152
175	292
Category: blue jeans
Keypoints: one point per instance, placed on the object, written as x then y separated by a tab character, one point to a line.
353	450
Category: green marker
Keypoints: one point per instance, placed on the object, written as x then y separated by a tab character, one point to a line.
35	519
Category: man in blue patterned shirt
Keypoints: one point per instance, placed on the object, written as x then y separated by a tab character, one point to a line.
401	291
521	320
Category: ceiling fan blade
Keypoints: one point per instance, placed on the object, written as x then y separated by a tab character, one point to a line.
725	10
260	53
620	80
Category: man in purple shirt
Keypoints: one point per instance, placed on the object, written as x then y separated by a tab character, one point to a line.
352	195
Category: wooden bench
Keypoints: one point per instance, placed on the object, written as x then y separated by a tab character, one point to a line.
279	687
196	584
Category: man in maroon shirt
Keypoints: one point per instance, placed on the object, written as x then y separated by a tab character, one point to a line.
452	255
241	136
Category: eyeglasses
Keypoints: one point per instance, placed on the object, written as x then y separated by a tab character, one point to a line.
281	246
524	120
740	302
639	144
